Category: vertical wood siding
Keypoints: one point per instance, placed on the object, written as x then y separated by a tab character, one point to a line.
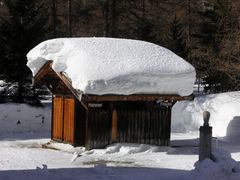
57	124
99	127
80	124
144	125
68	129
133	122
63	121
114	126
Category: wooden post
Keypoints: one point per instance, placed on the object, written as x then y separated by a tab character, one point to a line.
205	141
88	145
114	126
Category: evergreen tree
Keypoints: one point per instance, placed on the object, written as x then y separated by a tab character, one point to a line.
175	38
142	26
19	32
217	26
144	29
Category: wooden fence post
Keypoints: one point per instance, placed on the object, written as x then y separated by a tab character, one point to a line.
205	141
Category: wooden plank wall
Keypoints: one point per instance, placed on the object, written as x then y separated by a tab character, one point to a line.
80	124
129	122
68	129
63	119
99	127
57	116
148	126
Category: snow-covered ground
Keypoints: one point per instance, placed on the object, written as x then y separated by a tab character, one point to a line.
16	118
27	153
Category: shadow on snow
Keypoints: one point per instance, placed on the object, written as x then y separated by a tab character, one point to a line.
96	173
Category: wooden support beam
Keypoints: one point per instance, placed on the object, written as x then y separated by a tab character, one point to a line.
135	97
43	71
114	126
67	82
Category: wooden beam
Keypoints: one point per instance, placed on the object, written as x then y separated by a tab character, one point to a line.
135	97
43	71
67	82
114	126
46	69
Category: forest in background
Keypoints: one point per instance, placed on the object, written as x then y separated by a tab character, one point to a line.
204	32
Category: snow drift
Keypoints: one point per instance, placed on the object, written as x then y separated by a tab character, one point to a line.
222	168
115	66
224	109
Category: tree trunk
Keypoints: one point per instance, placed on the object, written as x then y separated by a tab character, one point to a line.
113	19
189	31
70	18
106	17
54	17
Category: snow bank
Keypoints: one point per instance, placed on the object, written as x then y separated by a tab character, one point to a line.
223	167
224	109
23	118
115	66
131	148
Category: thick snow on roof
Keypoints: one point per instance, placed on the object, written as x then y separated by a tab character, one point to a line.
115	66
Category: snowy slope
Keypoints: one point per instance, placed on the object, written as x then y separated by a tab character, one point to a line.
115	66
224	109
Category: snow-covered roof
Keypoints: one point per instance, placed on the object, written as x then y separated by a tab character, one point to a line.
115	66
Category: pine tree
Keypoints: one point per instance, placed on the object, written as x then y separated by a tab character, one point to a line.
19	32
175	38
217	27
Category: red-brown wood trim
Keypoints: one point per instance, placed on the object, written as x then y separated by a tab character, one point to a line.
52	118
69	86
74	123
63	108
135	97
45	69
42	71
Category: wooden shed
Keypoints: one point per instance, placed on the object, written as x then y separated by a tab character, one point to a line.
95	121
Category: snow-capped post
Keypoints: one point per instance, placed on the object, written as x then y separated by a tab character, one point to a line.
205	141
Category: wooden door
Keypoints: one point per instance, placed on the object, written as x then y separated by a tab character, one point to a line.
57	117
68	120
